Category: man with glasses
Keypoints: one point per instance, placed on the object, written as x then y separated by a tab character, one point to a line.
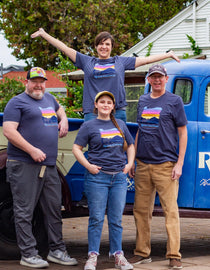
162	121
31	123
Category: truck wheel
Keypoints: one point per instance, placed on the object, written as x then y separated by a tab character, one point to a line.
8	245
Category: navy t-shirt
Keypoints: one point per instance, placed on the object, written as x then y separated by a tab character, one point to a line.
38	124
158	119
105	143
104	75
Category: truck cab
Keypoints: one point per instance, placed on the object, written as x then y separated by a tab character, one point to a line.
189	79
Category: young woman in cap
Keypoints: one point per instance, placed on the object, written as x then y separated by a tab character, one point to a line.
103	71
105	182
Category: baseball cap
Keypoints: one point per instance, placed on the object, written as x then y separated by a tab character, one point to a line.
103	93
157	68
36	72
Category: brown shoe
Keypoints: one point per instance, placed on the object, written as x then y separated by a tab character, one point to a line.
175	264
137	259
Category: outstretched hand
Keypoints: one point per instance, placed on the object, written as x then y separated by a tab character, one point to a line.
173	55
38	33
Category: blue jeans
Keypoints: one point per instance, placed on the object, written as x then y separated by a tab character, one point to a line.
119	114
105	191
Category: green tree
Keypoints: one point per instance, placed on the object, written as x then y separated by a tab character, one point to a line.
8	89
77	22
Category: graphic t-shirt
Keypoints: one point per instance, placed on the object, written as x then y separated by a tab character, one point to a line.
105	143
158	120
38	124
104	75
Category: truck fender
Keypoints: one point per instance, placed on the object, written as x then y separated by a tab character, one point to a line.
66	194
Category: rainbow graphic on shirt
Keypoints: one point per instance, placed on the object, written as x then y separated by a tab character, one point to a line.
150	117
102	71
49	116
111	137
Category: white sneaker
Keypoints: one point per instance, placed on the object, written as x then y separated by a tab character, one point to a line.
61	257
91	262
34	262
121	262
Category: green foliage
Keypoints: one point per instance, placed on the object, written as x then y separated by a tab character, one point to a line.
185	56
184	89
77	22
194	47
72	103
149	48
8	89
133	92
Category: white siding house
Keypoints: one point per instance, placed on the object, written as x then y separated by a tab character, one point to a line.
193	21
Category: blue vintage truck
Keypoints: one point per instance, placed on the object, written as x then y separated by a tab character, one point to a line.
191	80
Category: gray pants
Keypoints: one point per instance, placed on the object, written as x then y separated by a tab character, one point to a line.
27	189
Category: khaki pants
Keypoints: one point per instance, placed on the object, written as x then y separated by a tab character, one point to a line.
150	178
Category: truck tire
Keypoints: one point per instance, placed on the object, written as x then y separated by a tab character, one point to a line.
8	244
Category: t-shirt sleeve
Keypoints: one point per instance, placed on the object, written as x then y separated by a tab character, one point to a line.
81	60
179	113
82	136
57	105
128	136
12	112
128	62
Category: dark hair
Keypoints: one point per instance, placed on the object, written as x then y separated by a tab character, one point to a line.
102	37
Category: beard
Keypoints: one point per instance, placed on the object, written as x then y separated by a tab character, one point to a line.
36	96
33	93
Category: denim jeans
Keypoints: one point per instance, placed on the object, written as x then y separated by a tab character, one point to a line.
119	114
105	191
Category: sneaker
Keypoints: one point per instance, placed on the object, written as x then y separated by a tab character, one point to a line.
137	259
121	262
175	264
34	262
61	257
83	202
91	262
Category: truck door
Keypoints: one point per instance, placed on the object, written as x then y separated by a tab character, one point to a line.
202	184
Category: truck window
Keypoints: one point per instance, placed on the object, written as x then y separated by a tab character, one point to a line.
207	101
133	92
183	88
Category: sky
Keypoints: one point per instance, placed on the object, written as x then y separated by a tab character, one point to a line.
6	57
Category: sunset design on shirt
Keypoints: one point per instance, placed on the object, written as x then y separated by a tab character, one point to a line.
107	70
150	116
49	116
111	137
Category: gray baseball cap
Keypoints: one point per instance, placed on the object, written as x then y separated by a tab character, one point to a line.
157	68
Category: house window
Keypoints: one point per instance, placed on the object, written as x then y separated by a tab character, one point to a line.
133	92
183	88
207	101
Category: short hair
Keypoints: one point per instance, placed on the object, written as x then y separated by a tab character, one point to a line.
102	37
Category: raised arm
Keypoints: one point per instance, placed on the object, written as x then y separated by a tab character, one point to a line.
71	53
140	61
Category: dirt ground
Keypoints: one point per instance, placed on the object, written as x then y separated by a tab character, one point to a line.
195	244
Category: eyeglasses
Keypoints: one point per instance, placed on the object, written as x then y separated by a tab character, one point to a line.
159	77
